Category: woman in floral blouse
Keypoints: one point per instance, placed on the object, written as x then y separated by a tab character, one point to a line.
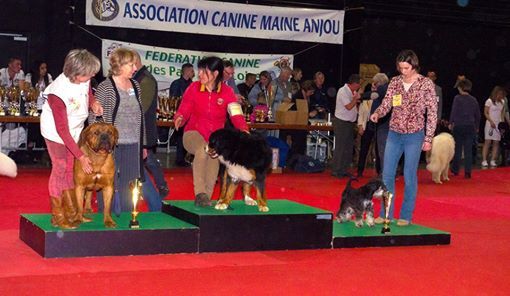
410	96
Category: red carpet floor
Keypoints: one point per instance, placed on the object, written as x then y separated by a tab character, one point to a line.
476	212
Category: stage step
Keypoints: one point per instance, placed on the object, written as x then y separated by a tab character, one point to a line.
159	233
347	235
287	226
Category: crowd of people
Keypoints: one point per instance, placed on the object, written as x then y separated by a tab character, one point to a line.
398	117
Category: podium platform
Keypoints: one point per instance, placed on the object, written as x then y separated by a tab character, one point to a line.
184	228
287	226
347	235
159	233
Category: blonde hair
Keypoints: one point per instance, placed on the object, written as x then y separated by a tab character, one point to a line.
118	58
80	62
494	93
380	78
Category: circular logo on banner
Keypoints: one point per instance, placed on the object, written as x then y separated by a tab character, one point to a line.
105	10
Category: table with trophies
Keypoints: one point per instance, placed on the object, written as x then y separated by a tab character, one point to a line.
17	106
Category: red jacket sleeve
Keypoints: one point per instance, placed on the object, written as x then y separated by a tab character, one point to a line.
59	110
92	98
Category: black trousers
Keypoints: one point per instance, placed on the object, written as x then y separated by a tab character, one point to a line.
463	135
366	140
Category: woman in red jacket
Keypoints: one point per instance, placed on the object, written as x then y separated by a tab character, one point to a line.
204	109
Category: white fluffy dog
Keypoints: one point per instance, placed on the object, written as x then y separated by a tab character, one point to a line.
438	161
7	166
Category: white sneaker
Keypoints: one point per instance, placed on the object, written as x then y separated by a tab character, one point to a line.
484	164
493	163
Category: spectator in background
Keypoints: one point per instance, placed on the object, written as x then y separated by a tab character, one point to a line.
431	74
177	89
410	96
281	89
247	85
228	78
149	98
262	86
368	129
297	75
382	126
344	123
39	78
319	100
12	75
494	114
464	122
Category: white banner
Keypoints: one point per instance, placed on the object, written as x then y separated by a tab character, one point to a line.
220	18
165	63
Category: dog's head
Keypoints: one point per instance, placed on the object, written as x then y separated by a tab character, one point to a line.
222	142
100	137
377	187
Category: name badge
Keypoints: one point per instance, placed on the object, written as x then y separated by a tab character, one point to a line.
397	100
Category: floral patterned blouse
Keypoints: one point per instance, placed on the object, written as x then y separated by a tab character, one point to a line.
409	106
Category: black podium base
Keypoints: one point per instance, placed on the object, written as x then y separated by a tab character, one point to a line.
287	226
347	235
158	234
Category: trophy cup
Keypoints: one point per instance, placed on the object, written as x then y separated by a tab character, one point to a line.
3	105
136	190
269	102
387	198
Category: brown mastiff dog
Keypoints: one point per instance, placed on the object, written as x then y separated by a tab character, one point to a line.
97	142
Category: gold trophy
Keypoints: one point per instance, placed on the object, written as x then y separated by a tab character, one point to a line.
3	92
387	198
136	190
269	102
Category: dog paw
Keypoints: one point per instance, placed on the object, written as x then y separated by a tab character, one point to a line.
263	209
221	206
249	201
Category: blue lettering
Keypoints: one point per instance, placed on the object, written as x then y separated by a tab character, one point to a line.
165	8
127	10
214	22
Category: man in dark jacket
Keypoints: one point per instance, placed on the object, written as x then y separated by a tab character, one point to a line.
149	97
177	89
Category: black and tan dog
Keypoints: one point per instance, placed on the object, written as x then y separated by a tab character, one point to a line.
97	141
357	202
247	159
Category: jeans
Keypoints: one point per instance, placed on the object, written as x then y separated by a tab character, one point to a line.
381	137
410	145
154	168
463	136
150	195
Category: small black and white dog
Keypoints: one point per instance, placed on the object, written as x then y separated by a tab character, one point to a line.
358	201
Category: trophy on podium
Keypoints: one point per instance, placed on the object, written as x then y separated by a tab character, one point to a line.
136	191
387	199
